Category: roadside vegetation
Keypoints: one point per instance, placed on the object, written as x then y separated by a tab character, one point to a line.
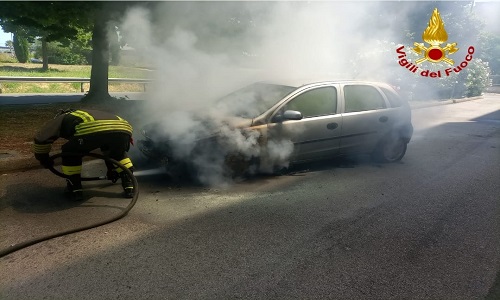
14	69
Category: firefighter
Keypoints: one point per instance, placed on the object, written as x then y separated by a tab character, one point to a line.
86	130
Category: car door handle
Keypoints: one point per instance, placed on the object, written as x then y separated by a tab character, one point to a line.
332	126
383	119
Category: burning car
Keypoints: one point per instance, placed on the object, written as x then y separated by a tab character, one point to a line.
268	125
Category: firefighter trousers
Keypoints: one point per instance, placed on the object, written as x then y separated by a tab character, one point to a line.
114	145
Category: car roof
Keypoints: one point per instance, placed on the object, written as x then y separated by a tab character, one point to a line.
298	82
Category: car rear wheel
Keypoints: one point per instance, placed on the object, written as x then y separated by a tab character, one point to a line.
391	150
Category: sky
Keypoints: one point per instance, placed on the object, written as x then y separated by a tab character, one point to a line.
4	37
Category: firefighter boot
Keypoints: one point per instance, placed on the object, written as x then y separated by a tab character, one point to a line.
74	188
127	184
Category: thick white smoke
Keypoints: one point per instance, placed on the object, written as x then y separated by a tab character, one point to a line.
198	56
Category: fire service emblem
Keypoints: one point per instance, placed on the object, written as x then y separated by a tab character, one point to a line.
434	36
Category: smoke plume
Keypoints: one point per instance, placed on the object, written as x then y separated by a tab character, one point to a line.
201	51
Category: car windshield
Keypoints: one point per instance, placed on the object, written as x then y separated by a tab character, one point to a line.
253	100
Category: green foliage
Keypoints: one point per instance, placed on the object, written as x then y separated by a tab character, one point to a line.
61	21
477	79
471	81
21	48
63	55
53	20
489	50
76	52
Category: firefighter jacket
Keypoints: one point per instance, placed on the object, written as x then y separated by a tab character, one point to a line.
78	123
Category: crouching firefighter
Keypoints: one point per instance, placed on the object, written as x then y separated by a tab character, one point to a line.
86	130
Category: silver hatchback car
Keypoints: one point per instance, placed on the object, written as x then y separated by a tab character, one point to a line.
293	123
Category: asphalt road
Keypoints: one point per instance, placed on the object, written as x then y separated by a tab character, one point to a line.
425	228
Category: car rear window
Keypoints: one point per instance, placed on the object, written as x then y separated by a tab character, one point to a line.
393	98
362	98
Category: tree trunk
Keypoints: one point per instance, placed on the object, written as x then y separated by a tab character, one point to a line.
100	61
45	55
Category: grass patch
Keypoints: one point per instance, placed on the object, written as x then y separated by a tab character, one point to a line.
43	87
35	70
55	87
7	58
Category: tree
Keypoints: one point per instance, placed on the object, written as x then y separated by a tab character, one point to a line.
52	21
100	59
488	50
102	21
21	47
59	21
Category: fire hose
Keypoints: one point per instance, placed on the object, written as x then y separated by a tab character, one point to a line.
19	246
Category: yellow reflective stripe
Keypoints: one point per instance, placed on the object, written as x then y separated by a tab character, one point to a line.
120	118
103	122
105	125
71	170
85	116
126	162
101	127
106	128
41	148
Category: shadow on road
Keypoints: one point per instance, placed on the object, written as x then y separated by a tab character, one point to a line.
33	199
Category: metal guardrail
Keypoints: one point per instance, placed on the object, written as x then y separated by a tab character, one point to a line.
69	80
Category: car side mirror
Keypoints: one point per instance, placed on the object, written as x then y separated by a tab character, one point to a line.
287	115
292	115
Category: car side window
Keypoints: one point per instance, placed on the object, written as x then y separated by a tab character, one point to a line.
362	98
393	98
317	102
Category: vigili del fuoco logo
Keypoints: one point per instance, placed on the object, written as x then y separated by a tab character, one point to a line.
434	35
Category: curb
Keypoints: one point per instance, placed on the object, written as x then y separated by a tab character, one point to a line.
19	163
22	163
437	103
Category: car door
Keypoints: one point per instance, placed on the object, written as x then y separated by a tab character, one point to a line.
366	118
317	134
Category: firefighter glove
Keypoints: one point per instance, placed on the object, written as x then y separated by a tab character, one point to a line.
44	160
